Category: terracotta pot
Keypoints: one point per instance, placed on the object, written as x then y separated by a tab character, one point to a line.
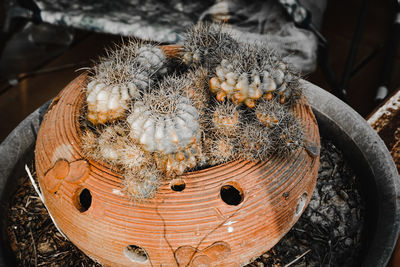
364	149
222	216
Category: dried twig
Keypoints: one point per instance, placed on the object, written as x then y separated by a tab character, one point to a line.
42	199
34	246
298	258
34	183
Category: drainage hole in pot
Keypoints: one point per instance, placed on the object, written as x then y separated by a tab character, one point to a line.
83	200
301	203
178	185
231	194
135	253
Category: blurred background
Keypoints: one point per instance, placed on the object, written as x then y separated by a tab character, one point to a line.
346	47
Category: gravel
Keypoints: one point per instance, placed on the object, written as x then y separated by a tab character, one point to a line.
329	231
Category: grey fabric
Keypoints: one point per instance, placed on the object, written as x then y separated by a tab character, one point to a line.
165	21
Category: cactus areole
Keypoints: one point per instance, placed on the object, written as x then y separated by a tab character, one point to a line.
204	154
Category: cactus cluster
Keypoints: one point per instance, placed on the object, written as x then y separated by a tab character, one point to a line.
152	119
251	73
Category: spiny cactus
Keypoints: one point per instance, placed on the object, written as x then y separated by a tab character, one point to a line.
112	145
166	122
205	44
197	89
119	78
284	128
227	101
251	73
142	184
219	149
253	142
225	119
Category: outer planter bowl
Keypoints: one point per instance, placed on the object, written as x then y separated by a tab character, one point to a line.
369	157
336	120
226	215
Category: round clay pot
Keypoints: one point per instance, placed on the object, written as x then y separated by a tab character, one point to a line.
226	215
337	121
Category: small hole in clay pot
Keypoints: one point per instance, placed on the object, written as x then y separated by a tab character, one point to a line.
83	200
135	253
301	203
178	185
231	194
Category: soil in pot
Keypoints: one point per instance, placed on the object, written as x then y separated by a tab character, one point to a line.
327	234
329	231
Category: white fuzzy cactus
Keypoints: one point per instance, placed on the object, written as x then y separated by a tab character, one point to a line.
238	87
164	133
120	79
107	103
171	131
151	58
245	78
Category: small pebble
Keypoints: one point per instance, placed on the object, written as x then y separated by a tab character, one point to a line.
343	194
45	247
348	242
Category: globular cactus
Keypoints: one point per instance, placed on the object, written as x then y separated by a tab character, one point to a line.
166	123
152	59
237	86
177	163
289	137
219	149
133	157
164	133
205	44
225	119
285	131
107	103
223	124
270	113
288	89
120	78
142	183
252	73
89	141
112	145
253	142
197	89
